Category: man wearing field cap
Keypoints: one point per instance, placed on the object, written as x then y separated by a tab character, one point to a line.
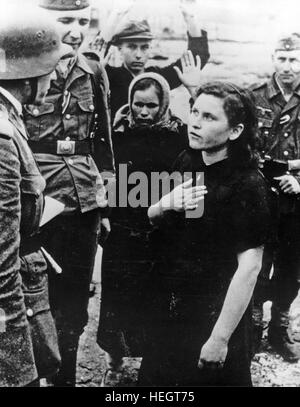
70	137
278	110
133	39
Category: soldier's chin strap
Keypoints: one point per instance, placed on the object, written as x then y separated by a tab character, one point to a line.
34	89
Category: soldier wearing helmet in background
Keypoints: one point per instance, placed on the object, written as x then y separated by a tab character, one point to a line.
278	110
30	49
70	137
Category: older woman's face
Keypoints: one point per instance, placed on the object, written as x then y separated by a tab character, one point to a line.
145	106
208	124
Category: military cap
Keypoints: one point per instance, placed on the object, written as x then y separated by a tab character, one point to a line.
64	4
288	42
133	30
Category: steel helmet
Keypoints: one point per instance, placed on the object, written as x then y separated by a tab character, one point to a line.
30	45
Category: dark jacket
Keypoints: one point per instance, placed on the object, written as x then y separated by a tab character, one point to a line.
69	113
120	78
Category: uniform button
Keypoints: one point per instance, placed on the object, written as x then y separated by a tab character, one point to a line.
36	112
266	133
260	124
71	162
29	312
68	116
96	116
103	139
92	107
286	134
68	139
66	93
285	153
78	2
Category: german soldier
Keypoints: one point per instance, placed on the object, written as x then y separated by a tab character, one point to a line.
66	134
278	110
30	49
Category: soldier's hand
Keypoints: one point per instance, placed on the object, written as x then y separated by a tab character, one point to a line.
213	354
288	184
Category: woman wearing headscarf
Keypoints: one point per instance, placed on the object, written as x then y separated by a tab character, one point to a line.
147	138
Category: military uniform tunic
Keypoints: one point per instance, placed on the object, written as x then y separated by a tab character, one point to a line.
77	99
68	115
279	138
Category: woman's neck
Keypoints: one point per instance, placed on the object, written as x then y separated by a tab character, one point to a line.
211	156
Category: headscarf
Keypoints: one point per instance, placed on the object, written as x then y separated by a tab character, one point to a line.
164	119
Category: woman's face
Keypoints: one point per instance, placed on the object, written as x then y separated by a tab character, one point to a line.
145	106
208	124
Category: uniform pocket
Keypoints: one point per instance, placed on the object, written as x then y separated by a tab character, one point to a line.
265	123
37	119
85	115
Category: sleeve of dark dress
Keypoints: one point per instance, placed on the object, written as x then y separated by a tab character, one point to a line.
251	216
198	46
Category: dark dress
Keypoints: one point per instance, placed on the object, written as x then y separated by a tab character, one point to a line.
127	256
198	258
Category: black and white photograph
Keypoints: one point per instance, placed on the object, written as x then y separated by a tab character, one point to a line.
149	196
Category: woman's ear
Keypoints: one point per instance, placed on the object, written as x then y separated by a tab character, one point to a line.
236	132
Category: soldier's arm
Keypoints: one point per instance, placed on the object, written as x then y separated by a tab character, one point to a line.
198	46
11	303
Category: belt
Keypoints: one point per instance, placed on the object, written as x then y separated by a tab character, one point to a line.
62	147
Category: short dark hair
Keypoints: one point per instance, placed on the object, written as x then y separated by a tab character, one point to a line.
145	84
239	107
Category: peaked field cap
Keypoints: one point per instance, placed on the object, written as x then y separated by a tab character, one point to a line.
288	42
64	4
133	30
